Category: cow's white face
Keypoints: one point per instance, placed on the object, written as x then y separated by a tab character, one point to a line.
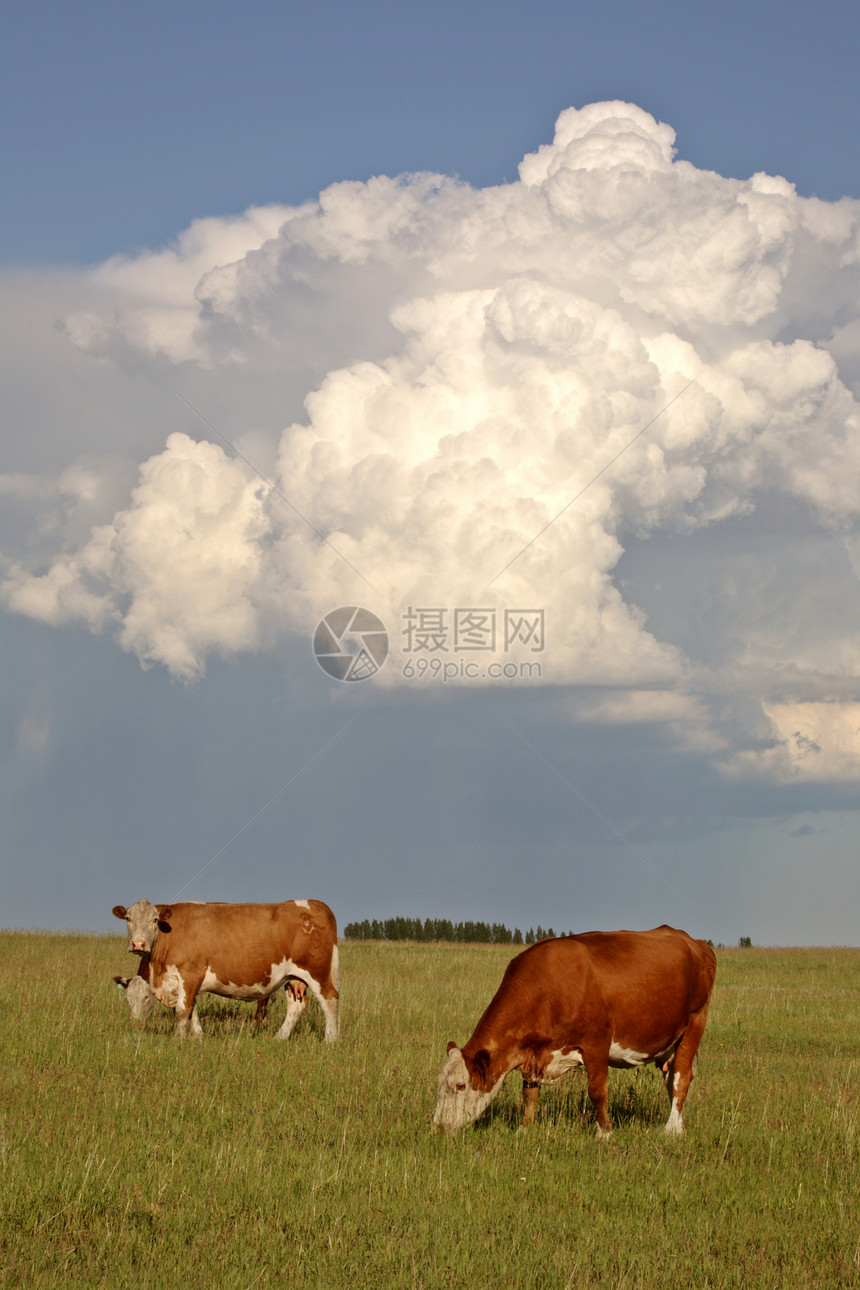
142	921
459	1104
140	995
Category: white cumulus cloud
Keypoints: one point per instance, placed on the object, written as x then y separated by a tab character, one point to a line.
513	387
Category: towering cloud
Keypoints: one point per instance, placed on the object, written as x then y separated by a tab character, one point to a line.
510	393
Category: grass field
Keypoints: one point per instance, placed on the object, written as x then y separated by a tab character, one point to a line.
132	1160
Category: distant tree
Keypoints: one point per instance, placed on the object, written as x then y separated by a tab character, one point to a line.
745	943
397	928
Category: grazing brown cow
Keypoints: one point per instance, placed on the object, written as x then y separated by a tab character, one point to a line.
239	951
596	1000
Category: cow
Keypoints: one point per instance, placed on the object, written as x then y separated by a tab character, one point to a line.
239	951
598	999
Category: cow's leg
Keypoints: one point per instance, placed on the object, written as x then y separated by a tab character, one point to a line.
262	1009
185	1010
196	1028
597	1070
297	1001
679	1070
329	1007
327	998
531	1093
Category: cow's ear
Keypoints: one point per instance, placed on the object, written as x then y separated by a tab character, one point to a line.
481	1062
119	911
164	917
122	981
451	1045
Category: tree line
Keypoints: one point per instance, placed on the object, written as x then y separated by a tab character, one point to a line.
466	933
442	929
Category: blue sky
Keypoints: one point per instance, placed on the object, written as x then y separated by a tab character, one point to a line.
124	123
429	371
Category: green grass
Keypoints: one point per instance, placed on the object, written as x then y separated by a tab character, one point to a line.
130	1159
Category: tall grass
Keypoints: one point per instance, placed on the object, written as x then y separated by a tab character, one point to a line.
131	1159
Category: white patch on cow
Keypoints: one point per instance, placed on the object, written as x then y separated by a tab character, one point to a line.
560	1063
210	983
171	989
675	1123
281	972
303	904
621	1056
229	990
676	1081
269	983
603	1135
459	1104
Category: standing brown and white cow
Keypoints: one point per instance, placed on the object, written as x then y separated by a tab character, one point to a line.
239	951
596	1000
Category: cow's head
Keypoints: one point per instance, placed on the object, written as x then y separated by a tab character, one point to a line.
142	919
140	995
464	1089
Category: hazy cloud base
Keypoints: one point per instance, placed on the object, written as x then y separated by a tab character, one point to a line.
676	351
